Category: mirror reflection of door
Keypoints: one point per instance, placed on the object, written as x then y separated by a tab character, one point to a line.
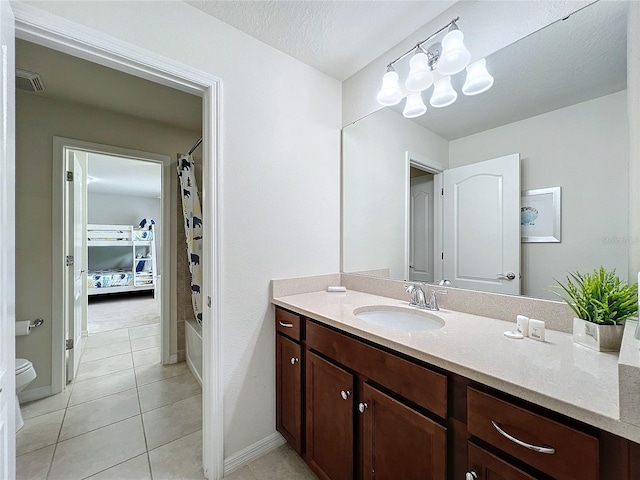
482	231
421	226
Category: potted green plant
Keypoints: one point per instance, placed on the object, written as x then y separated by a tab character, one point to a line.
601	302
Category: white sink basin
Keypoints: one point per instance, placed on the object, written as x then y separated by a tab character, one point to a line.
399	318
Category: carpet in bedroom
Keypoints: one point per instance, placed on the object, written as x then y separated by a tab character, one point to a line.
114	312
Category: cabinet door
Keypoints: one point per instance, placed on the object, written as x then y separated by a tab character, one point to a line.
289	391
329	410
489	467
399	442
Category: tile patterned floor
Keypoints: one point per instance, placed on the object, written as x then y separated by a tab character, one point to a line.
125	416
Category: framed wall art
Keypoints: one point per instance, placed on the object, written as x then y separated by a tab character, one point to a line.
540	215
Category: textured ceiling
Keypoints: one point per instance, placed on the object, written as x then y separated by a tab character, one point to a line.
571	61
335	37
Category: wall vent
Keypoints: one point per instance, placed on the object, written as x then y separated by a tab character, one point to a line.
28	81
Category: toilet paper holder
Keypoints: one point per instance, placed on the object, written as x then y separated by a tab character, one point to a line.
24	327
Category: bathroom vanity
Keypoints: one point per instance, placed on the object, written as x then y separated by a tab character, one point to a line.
360	401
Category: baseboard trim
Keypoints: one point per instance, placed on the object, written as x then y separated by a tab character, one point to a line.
252	452
173	358
193	369
35	394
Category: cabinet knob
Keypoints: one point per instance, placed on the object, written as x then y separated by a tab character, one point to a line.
471	476
294	360
345	394
362	406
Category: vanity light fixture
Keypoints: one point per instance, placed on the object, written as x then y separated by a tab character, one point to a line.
446	58
443	93
390	93
478	79
414	106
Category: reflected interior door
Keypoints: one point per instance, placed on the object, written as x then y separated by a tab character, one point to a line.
482	225
7	245
421	228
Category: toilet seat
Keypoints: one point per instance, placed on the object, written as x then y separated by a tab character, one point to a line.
22	365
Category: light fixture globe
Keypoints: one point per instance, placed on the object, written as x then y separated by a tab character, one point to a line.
390	93
414	106
478	78
454	56
420	77
443	93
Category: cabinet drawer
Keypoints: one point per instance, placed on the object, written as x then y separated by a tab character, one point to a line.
288	323
413	382
569	453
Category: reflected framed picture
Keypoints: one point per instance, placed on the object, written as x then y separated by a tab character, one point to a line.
540	215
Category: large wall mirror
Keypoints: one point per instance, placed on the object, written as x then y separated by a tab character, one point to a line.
557	110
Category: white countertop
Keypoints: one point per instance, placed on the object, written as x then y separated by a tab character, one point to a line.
557	374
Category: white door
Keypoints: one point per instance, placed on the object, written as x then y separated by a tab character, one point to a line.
421	229
7	246
76	247
482	225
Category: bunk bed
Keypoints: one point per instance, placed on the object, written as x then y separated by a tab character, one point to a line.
122	258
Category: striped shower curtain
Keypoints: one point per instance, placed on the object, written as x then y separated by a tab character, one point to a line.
193	228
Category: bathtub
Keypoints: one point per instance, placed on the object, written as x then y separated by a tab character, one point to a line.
193	340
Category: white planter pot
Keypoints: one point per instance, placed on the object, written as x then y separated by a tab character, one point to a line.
603	338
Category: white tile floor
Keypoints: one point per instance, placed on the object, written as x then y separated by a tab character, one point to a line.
125	416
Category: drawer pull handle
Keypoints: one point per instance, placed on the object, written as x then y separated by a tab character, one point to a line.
471	476
294	360
362	407
535	448
345	394
285	325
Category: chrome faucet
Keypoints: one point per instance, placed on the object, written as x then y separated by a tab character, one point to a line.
432	304
418	298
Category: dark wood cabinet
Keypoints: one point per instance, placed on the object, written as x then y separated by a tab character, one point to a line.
399	442
329	412
289	366
487	466
356	410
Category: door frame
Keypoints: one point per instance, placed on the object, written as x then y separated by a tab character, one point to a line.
50	30
60	211
412	159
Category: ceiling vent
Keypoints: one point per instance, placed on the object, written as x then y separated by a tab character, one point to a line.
28	81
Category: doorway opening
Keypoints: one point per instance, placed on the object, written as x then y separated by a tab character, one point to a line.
65	36
423	219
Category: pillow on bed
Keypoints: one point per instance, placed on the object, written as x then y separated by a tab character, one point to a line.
146	223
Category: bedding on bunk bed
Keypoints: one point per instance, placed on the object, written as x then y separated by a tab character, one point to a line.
110	278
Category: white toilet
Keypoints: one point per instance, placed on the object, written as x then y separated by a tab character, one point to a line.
25	374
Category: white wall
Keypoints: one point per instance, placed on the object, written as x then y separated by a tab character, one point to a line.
488	26
585	150
280	175
374	188
105	208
